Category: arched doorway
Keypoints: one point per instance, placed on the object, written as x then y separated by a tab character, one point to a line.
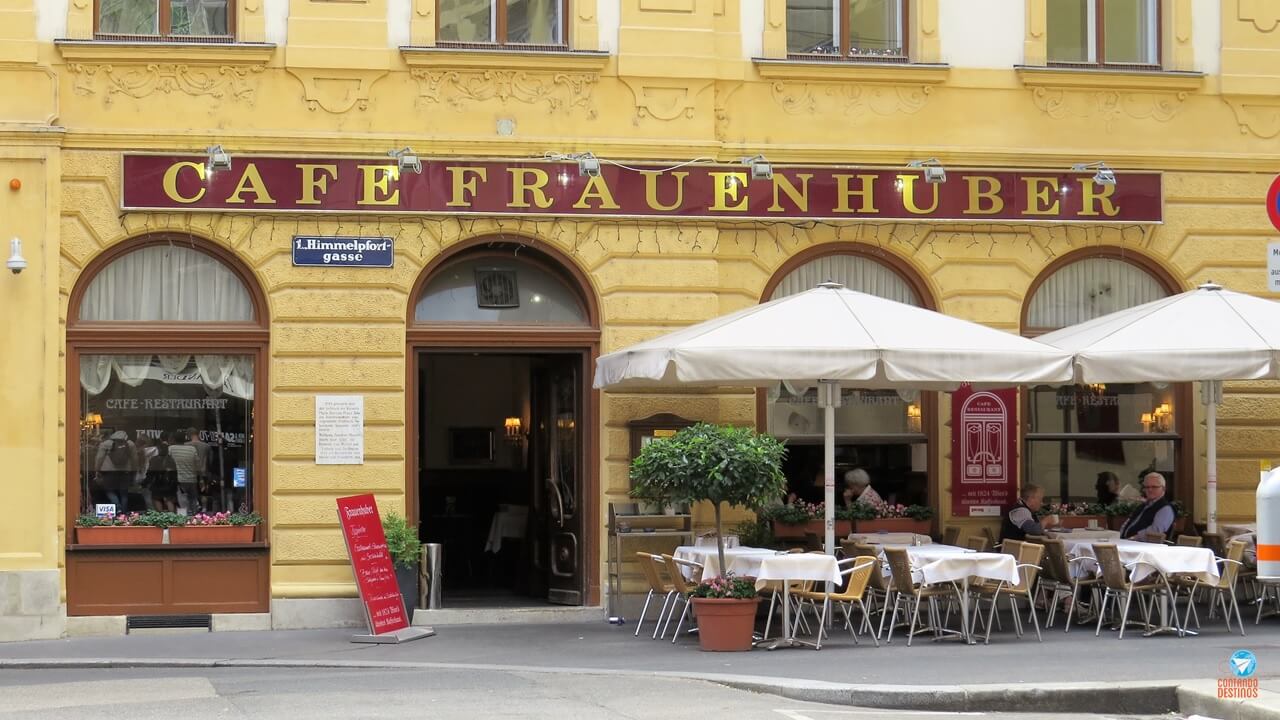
503	441
1073	435
888	434
166	358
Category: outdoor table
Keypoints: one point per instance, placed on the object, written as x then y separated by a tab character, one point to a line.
708	557
890	538
947	563
786	568
1167	559
1071	539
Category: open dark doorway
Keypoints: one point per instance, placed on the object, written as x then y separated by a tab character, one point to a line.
500	484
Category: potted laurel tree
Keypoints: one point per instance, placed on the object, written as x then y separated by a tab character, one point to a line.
405	548
721	465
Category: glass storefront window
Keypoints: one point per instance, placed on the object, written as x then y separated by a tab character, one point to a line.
1118	32
1112	408
499	290
1069	469
167	432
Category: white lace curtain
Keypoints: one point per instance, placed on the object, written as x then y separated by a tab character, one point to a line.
854	272
1090	288
229	374
166	283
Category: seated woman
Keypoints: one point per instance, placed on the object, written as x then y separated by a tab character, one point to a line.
1107	487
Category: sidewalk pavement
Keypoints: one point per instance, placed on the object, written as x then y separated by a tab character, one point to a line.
1068	671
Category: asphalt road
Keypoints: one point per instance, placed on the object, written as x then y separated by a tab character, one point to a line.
146	694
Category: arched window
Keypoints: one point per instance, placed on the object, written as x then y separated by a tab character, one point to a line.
1080	436
883	432
165	341
499	288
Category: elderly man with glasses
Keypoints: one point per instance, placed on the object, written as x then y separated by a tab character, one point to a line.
1155	515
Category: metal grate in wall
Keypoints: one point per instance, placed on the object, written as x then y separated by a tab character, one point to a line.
496	288
153	622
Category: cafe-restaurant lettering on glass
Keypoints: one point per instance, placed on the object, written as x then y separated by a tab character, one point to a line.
457	187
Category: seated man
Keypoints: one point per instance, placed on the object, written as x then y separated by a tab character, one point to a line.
1155	515
858	489
1019	521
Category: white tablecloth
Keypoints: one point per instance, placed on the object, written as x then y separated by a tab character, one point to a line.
510	522
1168	559
788	566
709	557
891	538
1083	536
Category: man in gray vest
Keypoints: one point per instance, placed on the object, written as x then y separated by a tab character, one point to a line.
1156	514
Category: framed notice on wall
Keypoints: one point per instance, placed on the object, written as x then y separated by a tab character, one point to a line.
339	429
984	451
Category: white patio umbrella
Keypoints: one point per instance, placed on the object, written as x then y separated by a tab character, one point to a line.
832	337
1206	335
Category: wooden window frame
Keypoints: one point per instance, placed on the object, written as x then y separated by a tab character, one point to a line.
500	32
88	337
1100	35
164	27
904	31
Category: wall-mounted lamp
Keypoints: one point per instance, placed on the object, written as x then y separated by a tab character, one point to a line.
1098	389
913	418
1163	417
16	263
514	428
1147	422
1104	174
219	159
91	421
761	169
407	160
934	173
588	164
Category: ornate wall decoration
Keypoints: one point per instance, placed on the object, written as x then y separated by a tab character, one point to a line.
1257	115
337	91
1264	14
666	99
1108	105
563	92
723	91
851	99
222	82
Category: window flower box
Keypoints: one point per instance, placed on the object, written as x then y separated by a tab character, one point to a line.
215	529
120	535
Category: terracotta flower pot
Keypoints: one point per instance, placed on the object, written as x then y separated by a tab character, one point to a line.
724	624
211	534
120	535
920	527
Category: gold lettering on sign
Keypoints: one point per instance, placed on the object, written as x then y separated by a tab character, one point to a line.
726	187
464	188
598	189
521	187
651	190
377	185
251	181
909	195
782	186
977	195
171	181
311	183
866	193
1038	191
1090	198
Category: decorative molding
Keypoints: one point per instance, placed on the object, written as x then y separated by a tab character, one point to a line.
424	8
104	52
1103	79
221	82
336	91
723	91
1259	115
666	99
857	72
850	99
560	91
1264	14
446	58
1108	105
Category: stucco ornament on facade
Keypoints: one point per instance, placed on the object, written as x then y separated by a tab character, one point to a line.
1264	14
560	92
1108	105
222	82
854	100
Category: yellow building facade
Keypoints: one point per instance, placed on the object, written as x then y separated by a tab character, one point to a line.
656	83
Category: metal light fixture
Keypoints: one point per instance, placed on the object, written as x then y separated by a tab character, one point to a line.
16	263
1103	176
406	160
514	428
913	418
219	159
761	169
588	164
934	173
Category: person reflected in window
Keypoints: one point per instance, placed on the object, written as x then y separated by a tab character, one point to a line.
1156	515
186	459
858	489
115	465
1107	487
1019	520
813	493
162	477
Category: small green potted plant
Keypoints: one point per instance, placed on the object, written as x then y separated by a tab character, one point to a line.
405	549
221	528
1076	515
123	529
721	625
896	517
721	465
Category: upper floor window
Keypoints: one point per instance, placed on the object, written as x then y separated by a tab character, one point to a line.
501	22
1104	32
181	20
862	29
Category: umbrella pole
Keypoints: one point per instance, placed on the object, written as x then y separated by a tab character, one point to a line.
1211	394
829	398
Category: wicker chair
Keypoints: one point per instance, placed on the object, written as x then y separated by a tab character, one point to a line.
992	540
977	544
1190	541
909	595
951	535
1220	591
675	567
1150	536
1029	556
1213	541
878	587
858	572
1058	582
1117	585
652	569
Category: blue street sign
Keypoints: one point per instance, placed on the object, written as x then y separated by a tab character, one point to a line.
318	251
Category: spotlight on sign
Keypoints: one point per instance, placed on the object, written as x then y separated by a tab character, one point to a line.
934	173
1104	174
761	169
407	161
588	164
219	159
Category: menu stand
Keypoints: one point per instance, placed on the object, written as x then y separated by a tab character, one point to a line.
396	637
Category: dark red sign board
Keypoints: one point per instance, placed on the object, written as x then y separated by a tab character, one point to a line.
375	576
1273	202
984	451
261	184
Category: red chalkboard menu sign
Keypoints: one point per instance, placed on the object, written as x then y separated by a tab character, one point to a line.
984	451
375	577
